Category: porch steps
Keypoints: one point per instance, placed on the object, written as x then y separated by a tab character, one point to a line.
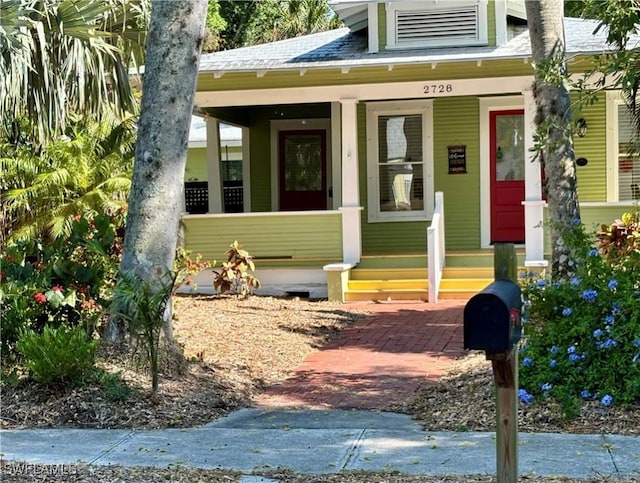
464	276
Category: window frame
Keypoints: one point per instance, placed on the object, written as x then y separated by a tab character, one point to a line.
614	101
394	108
482	23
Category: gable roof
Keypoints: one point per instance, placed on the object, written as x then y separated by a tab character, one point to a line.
341	48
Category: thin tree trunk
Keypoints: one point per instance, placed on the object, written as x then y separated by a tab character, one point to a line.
174	42
553	118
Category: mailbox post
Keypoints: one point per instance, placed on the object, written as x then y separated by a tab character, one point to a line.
492	322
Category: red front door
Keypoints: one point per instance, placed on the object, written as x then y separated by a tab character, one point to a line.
303	170
507	176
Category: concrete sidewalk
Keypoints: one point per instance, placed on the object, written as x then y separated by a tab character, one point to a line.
319	441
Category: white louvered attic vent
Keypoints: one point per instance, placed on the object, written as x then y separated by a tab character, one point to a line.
437	27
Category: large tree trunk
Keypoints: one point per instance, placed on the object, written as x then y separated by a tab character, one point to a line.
173	50
553	119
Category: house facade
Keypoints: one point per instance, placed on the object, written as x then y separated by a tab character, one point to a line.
349	135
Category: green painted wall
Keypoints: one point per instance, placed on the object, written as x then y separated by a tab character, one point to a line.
260	145
382	26
196	169
592	177
491	22
315	236
456	123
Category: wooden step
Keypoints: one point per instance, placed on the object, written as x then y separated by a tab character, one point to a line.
467	284
388	274
374	285
395	294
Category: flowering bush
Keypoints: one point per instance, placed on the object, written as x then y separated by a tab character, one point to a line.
67	281
583	334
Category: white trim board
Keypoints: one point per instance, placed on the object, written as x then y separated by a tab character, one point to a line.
369	92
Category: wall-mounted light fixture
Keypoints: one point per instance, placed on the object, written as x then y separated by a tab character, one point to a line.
581	126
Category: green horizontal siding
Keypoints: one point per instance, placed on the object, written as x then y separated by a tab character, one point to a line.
296	236
456	123
196	169
592	177
592	218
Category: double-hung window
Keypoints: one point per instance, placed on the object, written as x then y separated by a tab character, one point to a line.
623	161
400	161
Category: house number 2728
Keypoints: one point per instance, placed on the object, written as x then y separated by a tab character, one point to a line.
437	88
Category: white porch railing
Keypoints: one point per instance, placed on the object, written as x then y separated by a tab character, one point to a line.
436	248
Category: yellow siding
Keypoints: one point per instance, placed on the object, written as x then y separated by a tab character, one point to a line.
279	236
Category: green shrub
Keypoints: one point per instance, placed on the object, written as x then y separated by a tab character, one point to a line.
114	388
67	281
143	305
60	355
583	334
235	275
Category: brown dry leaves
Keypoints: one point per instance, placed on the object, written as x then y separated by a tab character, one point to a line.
464	401
236	347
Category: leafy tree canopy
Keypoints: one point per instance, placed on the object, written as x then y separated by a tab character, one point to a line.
61	56
249	23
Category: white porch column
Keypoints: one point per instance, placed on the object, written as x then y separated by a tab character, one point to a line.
213	166
533	202
351	230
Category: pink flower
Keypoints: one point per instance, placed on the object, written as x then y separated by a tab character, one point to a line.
56	288
40	298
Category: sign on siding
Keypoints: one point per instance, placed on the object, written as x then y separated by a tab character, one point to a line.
457	156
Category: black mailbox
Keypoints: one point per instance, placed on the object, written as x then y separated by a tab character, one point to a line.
492	318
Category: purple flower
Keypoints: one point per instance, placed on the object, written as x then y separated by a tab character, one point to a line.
613	284
555	348
590	295
574	357
525	397
606	400
567	312
546	386
527	362
609	319
552	363
615	308
541	283
571	349
575	281
636	343
585	394
597	333
593	252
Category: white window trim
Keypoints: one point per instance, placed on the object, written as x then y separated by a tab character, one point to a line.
393	7
296	125
614	100
374	111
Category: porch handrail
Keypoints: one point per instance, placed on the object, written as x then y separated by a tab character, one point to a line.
436	247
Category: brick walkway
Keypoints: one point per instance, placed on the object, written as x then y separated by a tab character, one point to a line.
379	361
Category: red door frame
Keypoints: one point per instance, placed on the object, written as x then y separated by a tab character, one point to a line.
302	200
507	211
